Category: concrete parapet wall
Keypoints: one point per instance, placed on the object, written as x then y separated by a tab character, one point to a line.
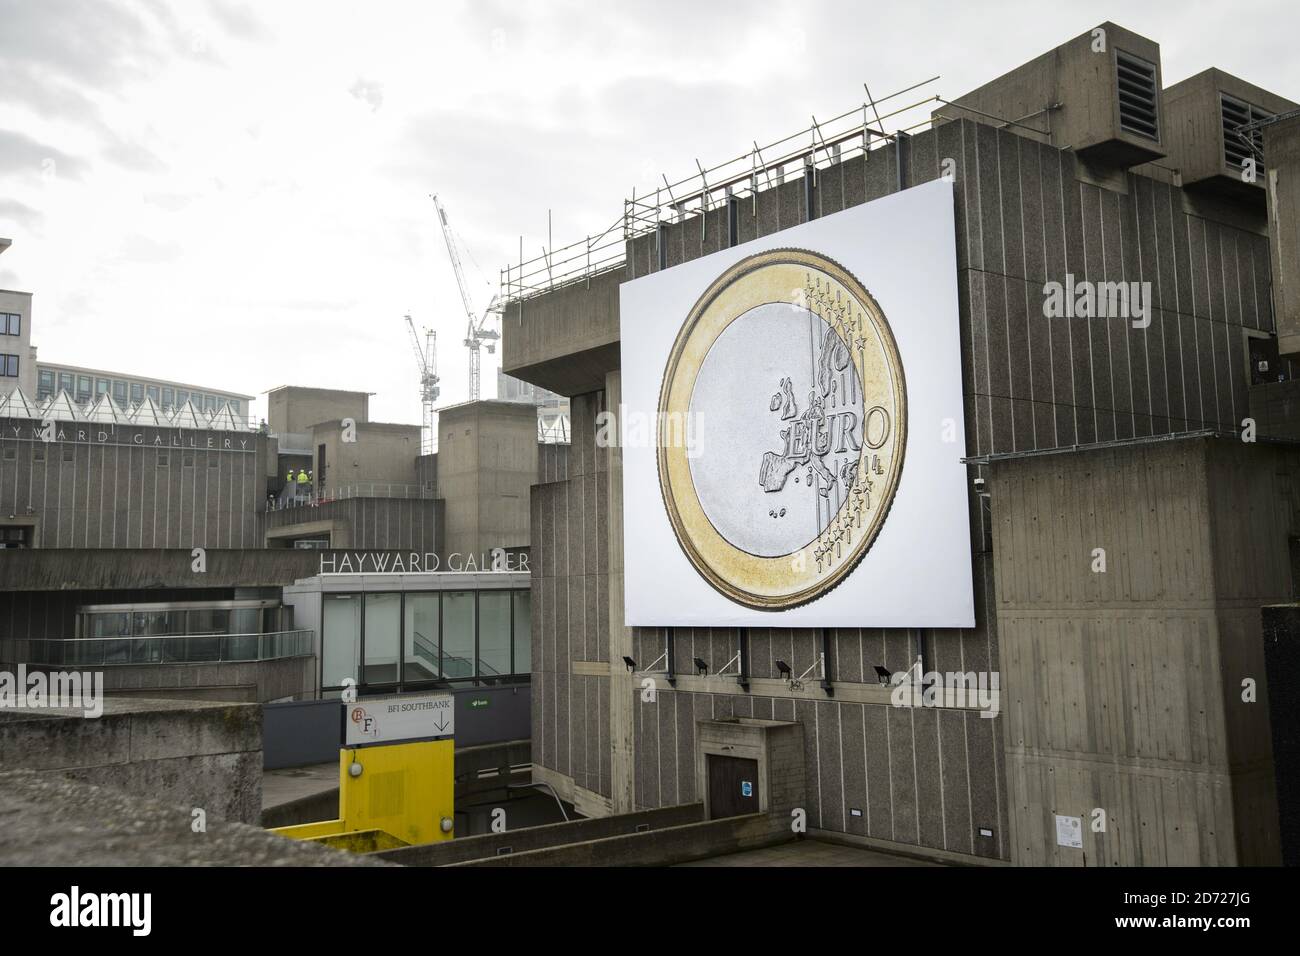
544	838
692	841
53	821
182	753
244	682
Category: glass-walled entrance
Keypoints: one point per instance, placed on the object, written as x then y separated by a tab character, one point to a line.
392	641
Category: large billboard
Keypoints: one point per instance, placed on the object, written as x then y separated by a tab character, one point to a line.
792	428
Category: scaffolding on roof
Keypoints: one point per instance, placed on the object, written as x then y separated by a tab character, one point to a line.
853	133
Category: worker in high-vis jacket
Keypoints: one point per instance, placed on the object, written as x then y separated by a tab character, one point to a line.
302	477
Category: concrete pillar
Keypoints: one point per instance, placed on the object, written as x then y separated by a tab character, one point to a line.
622	758
1282	170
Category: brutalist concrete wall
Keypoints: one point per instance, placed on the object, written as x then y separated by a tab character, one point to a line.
487	454
1282	173
1026	214
186	754
363	523
570	610
1282	665
1275	407
1123	687
234	681
98	485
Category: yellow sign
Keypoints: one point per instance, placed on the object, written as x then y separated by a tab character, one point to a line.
400	794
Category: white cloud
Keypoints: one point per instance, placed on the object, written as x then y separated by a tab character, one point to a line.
237	194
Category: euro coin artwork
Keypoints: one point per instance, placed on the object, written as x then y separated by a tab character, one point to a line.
789	377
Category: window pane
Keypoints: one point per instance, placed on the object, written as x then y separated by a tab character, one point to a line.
421	655
137	393
383	631
209	620
115	624
155	393
101	386
494	633
458	634
523	632
244	620
65	382
340	638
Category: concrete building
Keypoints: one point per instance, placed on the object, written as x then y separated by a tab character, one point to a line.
293	409
162	551
487	462
1055	179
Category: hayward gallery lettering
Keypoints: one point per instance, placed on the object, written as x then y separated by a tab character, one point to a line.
385	562
45	433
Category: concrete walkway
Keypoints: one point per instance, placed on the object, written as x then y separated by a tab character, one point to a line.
811	853
292	783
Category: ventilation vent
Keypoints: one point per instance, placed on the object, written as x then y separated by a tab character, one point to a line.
1136	82
1237	114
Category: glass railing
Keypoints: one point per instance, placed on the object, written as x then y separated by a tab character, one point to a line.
185	649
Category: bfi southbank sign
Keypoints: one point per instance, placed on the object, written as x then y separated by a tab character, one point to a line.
413	562
49	432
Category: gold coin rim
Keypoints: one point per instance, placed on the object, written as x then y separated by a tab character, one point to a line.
673	459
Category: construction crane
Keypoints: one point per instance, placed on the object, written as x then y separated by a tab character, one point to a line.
477	333
426	359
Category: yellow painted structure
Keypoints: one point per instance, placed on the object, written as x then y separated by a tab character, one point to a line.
400	798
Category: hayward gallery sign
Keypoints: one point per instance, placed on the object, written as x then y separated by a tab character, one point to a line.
388	562
49	432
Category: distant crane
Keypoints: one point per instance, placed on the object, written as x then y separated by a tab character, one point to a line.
478	333
426	359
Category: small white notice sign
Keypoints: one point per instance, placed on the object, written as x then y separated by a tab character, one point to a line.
390	720
1069	832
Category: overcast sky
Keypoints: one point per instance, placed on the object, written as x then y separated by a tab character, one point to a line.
237	195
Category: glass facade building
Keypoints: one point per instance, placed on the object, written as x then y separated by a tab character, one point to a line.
393	633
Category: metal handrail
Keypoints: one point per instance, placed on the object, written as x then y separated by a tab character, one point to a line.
815	147
162	649
316	498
